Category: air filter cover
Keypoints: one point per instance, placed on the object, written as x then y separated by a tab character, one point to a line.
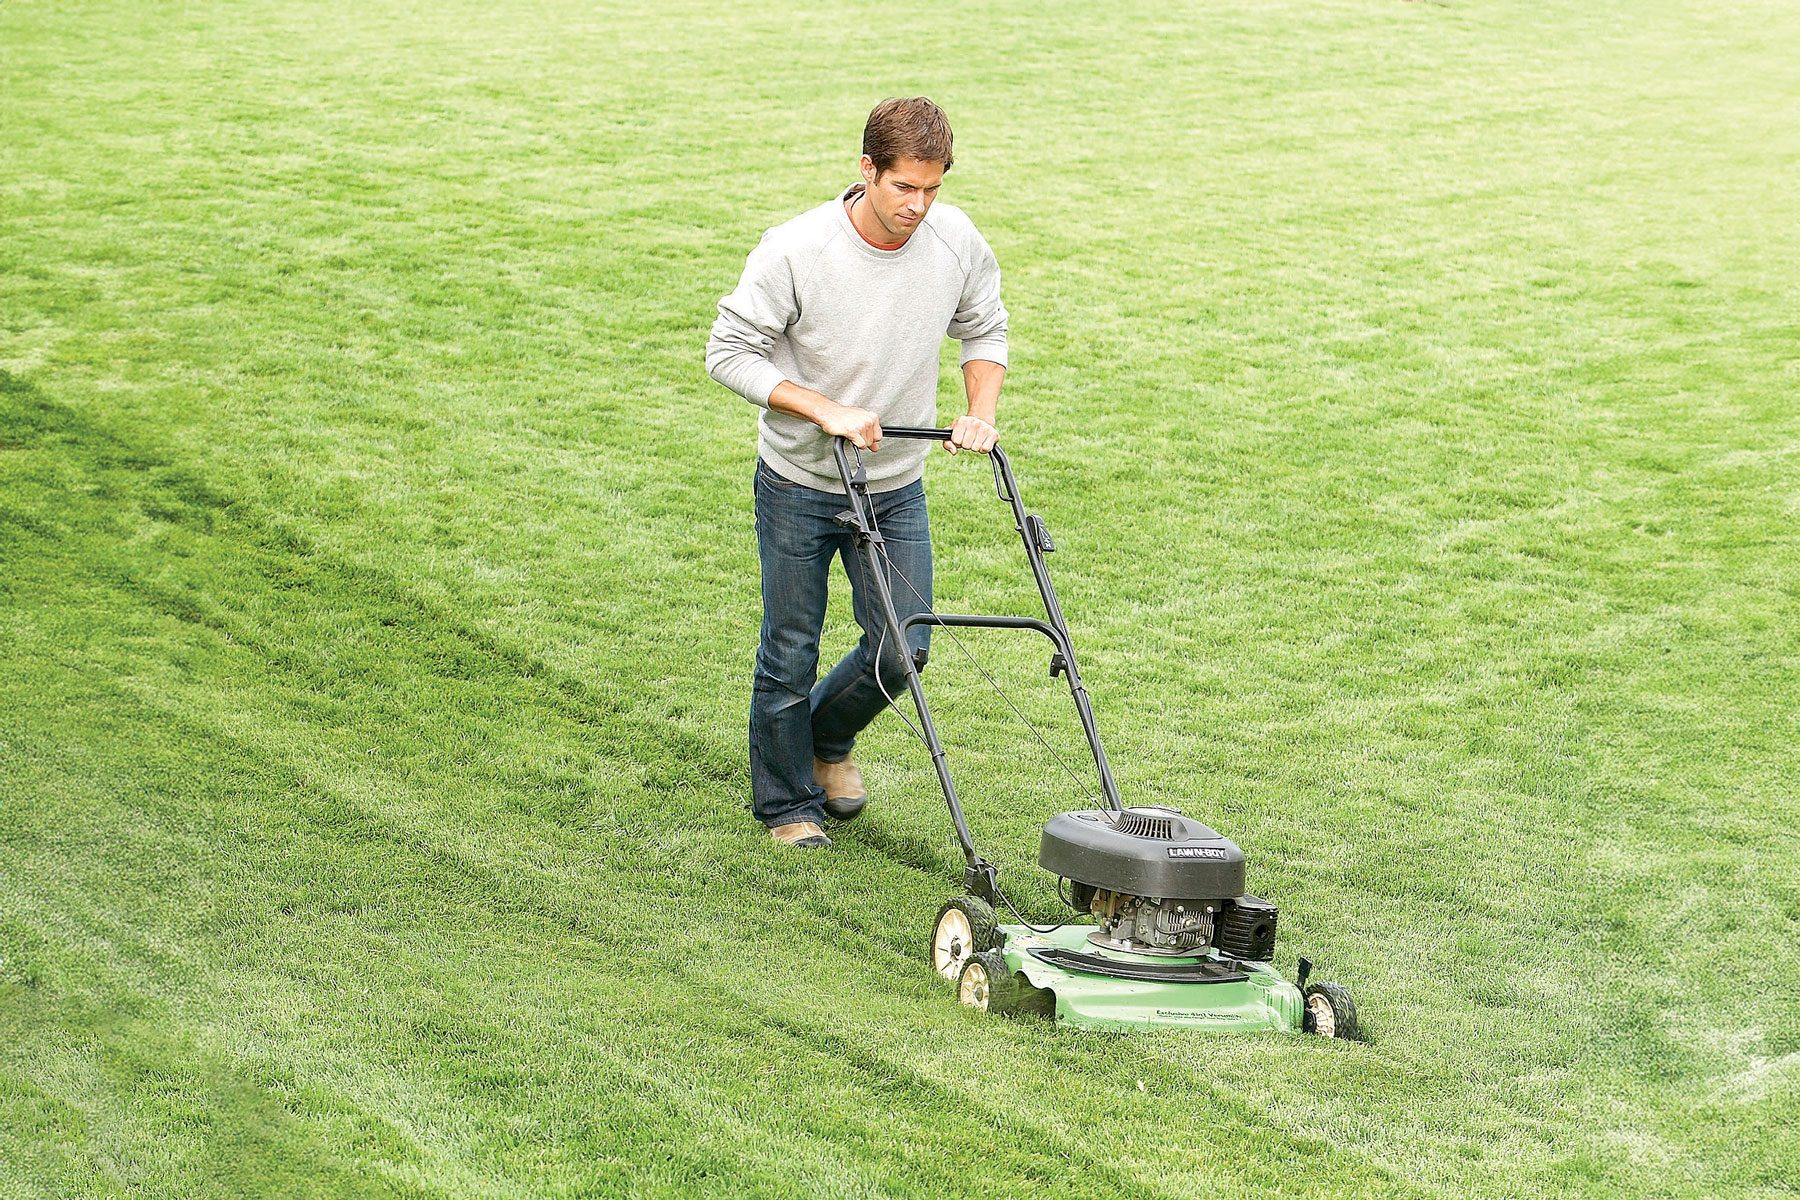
1154	852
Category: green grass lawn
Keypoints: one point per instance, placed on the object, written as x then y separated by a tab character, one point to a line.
1411	389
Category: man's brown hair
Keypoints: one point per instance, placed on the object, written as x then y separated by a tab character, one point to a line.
909	128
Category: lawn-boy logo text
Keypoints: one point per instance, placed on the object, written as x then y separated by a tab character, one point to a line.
1196	852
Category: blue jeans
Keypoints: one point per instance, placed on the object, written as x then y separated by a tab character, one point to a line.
792	718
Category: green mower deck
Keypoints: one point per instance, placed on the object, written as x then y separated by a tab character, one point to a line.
1257	1000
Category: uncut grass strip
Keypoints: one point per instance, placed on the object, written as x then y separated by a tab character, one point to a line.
147	1105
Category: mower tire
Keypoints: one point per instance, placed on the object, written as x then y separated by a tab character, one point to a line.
987	984
1330	1012
964	927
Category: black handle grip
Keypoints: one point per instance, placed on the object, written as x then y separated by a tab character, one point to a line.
915	431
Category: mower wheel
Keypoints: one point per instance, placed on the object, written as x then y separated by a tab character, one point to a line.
964	927
1330	1012
987	984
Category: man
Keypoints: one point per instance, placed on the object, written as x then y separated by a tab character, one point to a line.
835	328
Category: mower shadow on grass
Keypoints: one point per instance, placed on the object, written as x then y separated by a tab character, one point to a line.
905	849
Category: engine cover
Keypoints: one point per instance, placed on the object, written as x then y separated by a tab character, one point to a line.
1154	852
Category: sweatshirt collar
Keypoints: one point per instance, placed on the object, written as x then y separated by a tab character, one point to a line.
843	216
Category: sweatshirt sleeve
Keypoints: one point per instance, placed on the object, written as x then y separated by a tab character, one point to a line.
761	307
980	320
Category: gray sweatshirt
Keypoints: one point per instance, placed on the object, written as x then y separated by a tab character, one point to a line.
819	306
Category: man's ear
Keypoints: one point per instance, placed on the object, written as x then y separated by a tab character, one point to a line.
868	170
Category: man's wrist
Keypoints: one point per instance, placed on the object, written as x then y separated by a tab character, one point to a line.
824	409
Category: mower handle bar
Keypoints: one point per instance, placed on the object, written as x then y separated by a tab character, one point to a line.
1003	478
861	519
923	433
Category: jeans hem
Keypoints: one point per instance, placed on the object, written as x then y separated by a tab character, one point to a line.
815	815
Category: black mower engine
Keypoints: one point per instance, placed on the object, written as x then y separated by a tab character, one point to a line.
1159	882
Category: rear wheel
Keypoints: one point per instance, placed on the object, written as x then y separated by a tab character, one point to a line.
1330	1012
987	984
965	927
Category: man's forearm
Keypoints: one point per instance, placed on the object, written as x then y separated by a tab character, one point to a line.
790	397
861	426
981	380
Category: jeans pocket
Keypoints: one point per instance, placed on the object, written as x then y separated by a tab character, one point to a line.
766	476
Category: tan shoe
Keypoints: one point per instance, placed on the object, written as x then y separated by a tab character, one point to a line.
802	835
844	791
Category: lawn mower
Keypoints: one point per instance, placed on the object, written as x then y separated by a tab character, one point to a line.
1176	940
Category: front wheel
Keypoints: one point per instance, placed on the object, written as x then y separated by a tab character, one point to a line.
965	927
1330	1012
987	984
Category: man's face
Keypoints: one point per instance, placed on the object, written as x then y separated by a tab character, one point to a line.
902	195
